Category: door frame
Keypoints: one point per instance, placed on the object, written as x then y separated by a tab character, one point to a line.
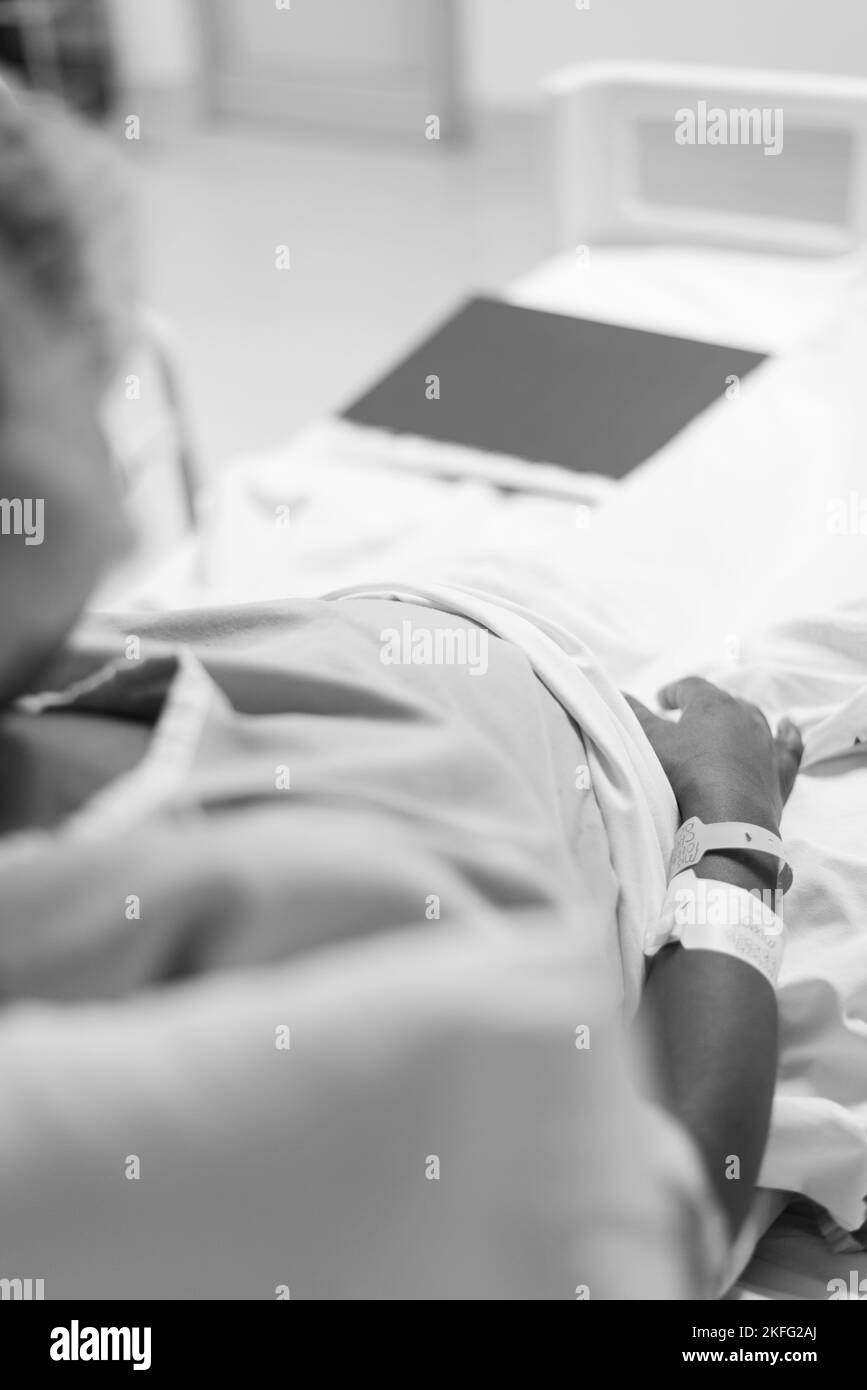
310	97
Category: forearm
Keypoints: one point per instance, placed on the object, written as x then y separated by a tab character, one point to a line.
713	1019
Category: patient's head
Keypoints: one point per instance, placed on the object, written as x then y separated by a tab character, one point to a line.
65	294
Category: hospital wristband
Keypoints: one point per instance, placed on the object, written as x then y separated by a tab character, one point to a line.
711	915
695	839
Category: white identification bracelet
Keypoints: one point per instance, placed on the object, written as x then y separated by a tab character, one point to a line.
694	840
709	915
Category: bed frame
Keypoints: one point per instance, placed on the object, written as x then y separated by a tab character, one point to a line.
649	153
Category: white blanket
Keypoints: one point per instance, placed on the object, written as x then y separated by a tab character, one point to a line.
711	557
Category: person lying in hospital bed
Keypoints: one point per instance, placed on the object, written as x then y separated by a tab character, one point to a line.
193	793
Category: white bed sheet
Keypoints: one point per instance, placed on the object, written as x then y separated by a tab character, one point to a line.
793	1261
766	303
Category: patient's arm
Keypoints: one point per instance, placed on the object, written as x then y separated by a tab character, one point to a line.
713	1017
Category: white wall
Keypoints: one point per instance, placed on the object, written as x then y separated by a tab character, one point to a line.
509	45
157	41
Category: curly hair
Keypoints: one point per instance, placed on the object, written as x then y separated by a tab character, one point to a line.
65	234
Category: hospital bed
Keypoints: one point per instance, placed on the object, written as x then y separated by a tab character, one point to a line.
765	252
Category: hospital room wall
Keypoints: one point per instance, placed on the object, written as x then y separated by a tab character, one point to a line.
264	357
509	45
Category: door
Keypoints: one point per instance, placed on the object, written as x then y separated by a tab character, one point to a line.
353	65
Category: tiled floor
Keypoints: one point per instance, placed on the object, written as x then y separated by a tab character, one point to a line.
383	239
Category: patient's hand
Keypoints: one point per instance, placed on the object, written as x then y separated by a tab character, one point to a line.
721	758
713	1017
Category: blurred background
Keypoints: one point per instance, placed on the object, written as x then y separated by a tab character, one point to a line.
306	124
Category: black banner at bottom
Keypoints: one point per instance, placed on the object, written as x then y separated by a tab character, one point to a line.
159	1339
